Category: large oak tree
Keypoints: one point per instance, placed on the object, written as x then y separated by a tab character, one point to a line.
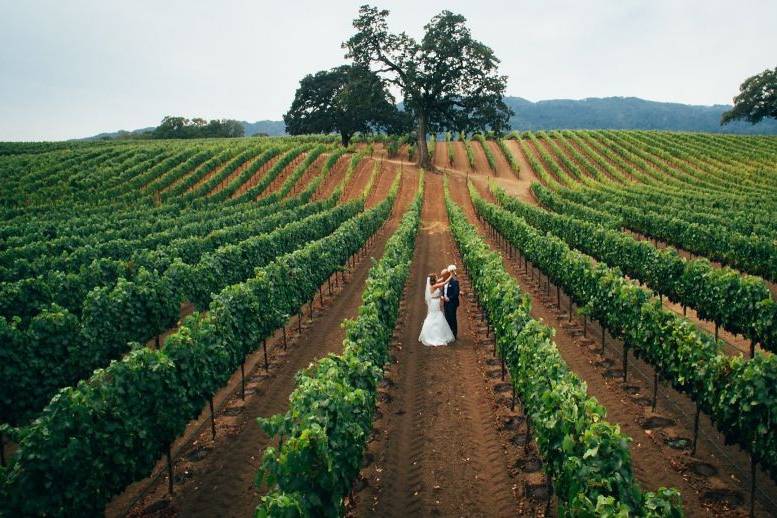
757	99
346	100
449	80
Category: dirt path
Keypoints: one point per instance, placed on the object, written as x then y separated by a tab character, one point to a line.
722	487
216	478
437	449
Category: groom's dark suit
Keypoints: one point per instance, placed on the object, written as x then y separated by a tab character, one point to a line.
451	295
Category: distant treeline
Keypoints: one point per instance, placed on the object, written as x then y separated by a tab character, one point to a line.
181	128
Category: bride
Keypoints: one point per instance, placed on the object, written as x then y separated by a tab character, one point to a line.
435	331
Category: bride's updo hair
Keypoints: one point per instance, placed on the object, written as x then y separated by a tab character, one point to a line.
432	278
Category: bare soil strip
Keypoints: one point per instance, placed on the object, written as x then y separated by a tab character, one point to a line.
281	178
715	479
460	161
383	183
234	174
333	179
502	166
206	178
313	171
359	180
262	171
437	448
521	188
481	163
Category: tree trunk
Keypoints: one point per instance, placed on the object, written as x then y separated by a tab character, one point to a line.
421	148
345	138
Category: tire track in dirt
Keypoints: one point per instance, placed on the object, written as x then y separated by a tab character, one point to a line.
655	463
221	482
441	453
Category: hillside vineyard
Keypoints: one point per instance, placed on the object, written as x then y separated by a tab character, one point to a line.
616	348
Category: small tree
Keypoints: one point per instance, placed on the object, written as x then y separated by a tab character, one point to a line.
757	99
345	100
449	80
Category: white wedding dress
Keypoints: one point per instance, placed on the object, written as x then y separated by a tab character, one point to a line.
435	330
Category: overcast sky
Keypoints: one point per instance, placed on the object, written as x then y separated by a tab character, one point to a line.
78	67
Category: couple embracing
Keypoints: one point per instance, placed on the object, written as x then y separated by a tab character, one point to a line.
442	301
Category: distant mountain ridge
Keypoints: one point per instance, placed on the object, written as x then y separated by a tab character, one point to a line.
626	113
590	113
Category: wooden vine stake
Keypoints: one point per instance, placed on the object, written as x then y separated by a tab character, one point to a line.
285	342
625	362
550	495
655	389
169	470
696	430
752	482
603	339
243	380
212	418
266	362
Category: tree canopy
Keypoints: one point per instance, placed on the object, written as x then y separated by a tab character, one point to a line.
757	99
346	100
183	128
449	80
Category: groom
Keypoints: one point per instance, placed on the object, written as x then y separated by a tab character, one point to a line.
451	299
